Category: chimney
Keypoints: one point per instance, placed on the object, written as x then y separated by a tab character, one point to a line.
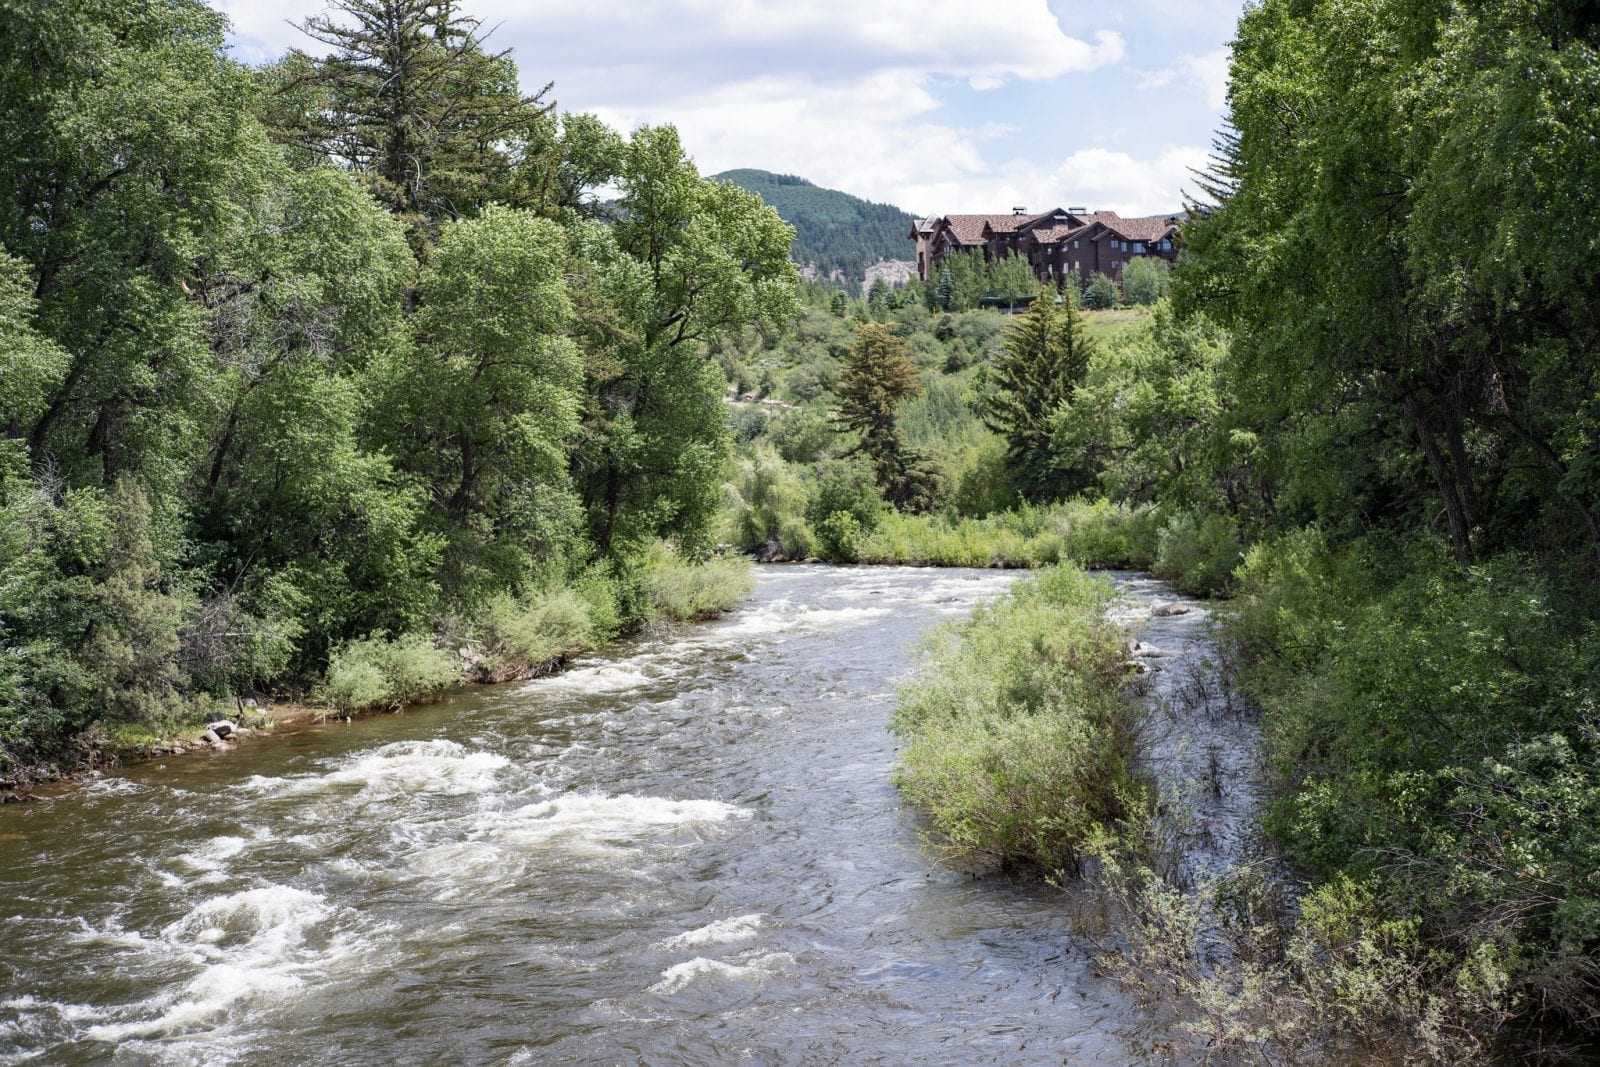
1019	211
1078	210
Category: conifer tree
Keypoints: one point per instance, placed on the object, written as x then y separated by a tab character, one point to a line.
411	102
1044	357
877	377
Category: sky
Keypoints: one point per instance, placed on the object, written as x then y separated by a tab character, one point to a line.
935	106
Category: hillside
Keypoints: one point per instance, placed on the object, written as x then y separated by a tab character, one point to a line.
833	230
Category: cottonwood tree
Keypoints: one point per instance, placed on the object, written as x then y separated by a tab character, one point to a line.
483	407
1402	242
689	261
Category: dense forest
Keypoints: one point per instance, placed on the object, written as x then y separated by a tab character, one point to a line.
312	372
834	231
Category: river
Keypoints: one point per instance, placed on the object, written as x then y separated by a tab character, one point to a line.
685	849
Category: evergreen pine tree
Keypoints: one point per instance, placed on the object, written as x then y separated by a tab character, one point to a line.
877	376
1043	359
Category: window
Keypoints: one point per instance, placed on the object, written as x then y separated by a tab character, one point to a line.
1138	246
1074	244
1114	265
1166	244
1075	262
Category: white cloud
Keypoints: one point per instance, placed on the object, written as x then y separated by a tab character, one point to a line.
850	95
1095	178
1207	72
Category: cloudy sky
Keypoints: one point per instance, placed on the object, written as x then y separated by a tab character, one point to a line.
937	106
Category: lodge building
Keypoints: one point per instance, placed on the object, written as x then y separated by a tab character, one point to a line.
1056	243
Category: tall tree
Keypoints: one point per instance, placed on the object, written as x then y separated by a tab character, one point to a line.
410	100
1041	362
877	377
125	153
1404	249
689	261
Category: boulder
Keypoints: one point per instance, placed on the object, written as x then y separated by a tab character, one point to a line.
771	552
210	737
1166	611
214	716
222	728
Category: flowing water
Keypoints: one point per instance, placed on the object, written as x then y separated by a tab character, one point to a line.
684	850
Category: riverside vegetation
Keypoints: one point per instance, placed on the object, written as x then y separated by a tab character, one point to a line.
333	376
1368	413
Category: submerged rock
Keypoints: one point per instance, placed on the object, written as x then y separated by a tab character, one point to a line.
1166	611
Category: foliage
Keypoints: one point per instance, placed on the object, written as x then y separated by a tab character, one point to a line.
1019	744
877	376
1100	293
526	635
379	672
767	504
1145	280
1043	359
1198	553
411	103
684	590
255	408
1340	980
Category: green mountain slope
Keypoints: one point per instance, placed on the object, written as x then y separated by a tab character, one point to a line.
833	230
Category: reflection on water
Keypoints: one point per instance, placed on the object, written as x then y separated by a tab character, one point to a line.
684	850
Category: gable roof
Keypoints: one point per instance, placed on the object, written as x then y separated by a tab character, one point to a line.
969	229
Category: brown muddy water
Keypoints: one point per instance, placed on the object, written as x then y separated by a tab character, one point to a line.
685	850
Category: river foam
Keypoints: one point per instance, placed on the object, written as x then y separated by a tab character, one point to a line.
721	932
239	948
437	767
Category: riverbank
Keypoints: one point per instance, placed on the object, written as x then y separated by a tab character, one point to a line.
513	641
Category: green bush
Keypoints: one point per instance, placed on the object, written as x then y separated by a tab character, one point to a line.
1100	293
1019	743
1432	732
1198	555
1102	534
529	634
682	590
839	537
377	672
767	503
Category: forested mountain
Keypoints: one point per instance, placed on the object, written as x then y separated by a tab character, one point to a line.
833	230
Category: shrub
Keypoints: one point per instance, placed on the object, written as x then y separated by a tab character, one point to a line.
840	536
768	503
1102	534
527	635
682	590
377	672
1342	981
1100	293
1198	555
1145	280
1020	745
